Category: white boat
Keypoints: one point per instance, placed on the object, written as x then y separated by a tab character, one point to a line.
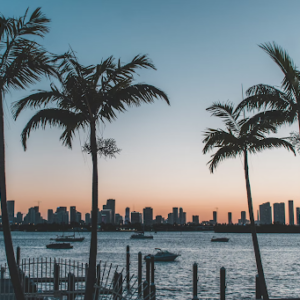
222	239
141	236
162	255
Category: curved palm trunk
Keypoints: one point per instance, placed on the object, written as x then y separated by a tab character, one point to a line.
91	278
10	256
259	266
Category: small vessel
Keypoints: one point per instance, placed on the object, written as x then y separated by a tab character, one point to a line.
68	238
223	239
162	255
141	236
59	246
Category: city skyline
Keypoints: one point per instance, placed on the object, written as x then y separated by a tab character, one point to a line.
161	163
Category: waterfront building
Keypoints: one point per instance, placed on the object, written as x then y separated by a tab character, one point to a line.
279	213
11	211
196	220
243	217
62	215
135	217
184	218
78	217
111	204
265	212
215	217
19	218
148	216
106	216
159	219
298	215
291	212
50	216
229	218
87	219
127	215
33	216
181	216
73	216
118	219
170	218
175	215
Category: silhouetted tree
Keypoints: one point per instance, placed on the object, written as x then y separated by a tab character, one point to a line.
242	136
87	96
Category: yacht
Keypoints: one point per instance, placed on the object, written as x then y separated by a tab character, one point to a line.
223	239
162	255
59	246
68	238
141	236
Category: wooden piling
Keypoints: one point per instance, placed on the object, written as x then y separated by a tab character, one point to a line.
18	256
258	293
56	277
195	281
222	283
127	268
71	286
145	290
140	281
152	286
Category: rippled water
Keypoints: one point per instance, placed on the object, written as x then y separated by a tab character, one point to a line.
280	255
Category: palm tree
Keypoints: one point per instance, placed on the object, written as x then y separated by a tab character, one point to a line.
87	96
242	136
22	62
283	105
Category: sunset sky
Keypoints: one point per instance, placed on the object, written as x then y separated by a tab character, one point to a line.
204	52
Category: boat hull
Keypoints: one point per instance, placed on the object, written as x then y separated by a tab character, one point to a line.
222	240
69	239
165	258
59	246
141	237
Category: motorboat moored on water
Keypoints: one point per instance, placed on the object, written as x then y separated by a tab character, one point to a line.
162	255
59	246
223	239
68	238
141	236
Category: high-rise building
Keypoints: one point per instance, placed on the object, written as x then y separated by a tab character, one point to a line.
78	217
158	220
298	215
135	217
111	204
229	218
33	216
11	210
127	215
118	219
279	213
87	219
265	212
62	215
243	217
291	212
181	215
184	218
170	218
50	216
106	216
73	216
175	215
196	220
148	216
215	218
19	218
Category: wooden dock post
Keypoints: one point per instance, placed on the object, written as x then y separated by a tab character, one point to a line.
152	286
127	268
18	256
257	288
98	282
117	286
195	281
56	277
222	283
71	286
140	281
145	290
148	273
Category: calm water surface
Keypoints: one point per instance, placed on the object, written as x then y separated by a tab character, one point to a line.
280	255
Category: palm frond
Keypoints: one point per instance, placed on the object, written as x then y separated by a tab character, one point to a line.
105	147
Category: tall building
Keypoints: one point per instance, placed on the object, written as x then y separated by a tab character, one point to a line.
291	212
62	215
215	219
135	217
11	210
243	217
196	220
229	218
181	215
78	217
184	218
50	216
175	215
33	216
19	218
73	216
158	219
87	219
265	212
118	219
298	215
279	213
111	204
106	216
148	216
127	215
170	218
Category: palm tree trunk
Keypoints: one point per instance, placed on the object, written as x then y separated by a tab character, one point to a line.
259	266
10	255
91	278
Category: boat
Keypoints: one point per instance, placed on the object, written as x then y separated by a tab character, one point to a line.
223	239
162	255
141	236
59	246
68	238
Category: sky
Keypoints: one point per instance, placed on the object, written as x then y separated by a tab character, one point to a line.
204	52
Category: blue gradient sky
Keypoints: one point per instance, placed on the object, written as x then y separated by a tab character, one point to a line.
204	51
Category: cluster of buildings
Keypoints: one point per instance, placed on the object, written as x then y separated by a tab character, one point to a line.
108	215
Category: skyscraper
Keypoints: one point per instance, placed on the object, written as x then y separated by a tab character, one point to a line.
73	214
148	216
229	218
170	218
291	212
175	215
279	213
196	220
11	210
135	217
158	219
50	216
181	215
243	217
87	219
215	217
19	218
298	215
111	204
127	215
184	218
265	212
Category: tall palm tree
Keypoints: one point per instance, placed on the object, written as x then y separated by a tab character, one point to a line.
87	96
283	105
22	62
242	136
